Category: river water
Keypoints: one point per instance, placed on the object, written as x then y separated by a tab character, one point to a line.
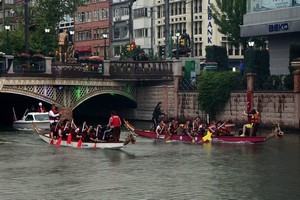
150	170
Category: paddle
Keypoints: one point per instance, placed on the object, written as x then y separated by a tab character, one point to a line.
58	142
15	117
95	145
69	138
79	143
193	140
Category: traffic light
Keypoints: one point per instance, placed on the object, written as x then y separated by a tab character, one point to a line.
128	47
182	42
161	50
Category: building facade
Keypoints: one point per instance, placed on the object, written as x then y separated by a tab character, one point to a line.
149	27
279	22
90	22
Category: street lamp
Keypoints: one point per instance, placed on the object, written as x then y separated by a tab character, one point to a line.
47	30
7	28
72	33
105	35
251	45
177	49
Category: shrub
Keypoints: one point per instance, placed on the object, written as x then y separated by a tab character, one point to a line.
214	90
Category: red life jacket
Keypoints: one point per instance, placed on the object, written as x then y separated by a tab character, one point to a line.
116	121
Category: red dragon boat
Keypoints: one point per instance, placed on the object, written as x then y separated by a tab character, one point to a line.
203	139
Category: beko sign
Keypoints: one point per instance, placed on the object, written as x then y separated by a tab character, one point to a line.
278	27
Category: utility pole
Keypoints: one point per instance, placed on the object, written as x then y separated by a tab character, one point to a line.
192	28
167	28
130	21
26	16
152	28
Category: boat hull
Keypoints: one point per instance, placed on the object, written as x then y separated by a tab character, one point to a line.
27	125
199	139
84	145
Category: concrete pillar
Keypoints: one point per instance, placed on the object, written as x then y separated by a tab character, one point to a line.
177	74
296	81
9	62
297	97
48	62
106	64
66	113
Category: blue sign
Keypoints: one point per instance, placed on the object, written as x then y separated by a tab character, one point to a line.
278	27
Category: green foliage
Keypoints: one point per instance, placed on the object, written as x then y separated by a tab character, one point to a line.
217	54
214	90
228	15
49	13
257	61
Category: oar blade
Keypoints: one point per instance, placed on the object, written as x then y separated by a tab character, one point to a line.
79	143
69	139
58	142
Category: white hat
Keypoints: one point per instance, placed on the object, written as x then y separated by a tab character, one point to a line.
40	103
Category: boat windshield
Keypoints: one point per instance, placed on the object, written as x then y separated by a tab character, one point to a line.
42	117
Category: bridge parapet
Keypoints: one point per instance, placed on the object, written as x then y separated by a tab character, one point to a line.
116	70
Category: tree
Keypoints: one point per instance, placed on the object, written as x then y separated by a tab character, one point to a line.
214	90
49	13
217	54
228	15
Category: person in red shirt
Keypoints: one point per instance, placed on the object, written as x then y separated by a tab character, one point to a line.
114	124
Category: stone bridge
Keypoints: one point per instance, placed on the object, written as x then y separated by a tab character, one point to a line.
69	85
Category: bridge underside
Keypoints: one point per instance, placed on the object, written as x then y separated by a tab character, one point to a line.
66	93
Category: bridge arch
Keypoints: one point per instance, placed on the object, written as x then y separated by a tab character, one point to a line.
66	93
96	93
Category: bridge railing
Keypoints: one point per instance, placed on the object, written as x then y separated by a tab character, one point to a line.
162	70
113	69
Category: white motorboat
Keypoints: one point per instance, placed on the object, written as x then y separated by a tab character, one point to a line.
41	120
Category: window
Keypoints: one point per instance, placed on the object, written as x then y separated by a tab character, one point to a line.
82	17
116	33
89	16
96	15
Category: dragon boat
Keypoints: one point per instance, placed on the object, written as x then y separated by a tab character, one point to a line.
68	142
209	137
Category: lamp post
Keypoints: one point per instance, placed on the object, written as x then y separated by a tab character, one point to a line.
251	44
177	42
47	30
72	34
7	28
105	35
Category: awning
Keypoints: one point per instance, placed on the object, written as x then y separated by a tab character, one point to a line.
84	48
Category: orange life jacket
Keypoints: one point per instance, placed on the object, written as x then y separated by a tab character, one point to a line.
254	118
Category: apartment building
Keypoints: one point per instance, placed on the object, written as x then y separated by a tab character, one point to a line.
90	22
277	20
